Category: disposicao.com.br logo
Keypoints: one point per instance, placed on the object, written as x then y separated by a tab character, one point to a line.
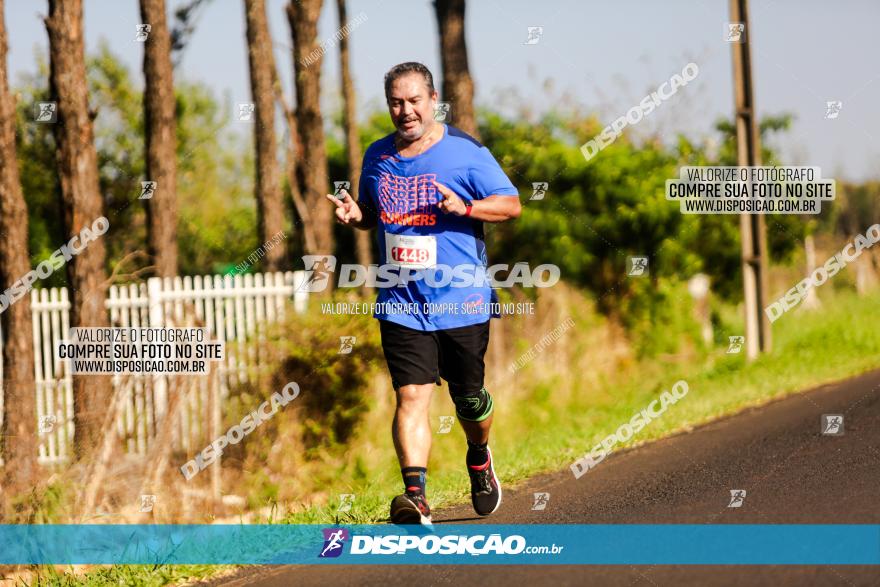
320	270
453	544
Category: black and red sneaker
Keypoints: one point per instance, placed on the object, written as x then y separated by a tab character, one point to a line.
485	487
410	508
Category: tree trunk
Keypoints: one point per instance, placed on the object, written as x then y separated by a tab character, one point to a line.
19	430
458	87
811	301
160	128
352	141
307	57
294	153
82	205
270	202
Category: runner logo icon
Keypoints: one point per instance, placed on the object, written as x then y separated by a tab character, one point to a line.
142	32
736	344
334	539
443	112
638	266
539	190
737	497
338	186
446	423
832	109
541	500
832	424
47	423
735	31
346	344
46	112
318	270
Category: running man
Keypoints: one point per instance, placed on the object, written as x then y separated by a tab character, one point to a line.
428	188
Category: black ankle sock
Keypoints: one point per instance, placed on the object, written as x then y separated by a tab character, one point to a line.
414	478
477	454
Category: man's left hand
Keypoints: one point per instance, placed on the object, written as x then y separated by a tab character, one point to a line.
450	203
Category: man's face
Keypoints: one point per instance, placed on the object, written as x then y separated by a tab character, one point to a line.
411	106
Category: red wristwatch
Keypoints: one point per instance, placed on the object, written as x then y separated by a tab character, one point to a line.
468	207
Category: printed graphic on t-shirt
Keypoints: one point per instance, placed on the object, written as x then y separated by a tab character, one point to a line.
410	201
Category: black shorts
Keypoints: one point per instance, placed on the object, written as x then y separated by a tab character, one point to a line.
416	357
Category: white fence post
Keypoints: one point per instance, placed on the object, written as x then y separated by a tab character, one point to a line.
156	309
300	293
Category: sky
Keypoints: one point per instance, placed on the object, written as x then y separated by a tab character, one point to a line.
603	56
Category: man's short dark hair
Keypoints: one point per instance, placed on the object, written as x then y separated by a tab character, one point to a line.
407	68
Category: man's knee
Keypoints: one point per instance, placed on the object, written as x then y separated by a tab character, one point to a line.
474	406
413	396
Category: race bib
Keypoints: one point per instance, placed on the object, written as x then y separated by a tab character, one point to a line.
411	251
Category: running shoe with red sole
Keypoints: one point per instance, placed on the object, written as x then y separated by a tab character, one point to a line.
410	508
485	487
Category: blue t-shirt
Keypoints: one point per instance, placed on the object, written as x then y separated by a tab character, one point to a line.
413	232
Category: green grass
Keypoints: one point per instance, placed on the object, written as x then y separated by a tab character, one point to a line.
547	434
141	575
552	423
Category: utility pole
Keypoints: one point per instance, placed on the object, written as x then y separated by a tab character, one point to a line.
753	229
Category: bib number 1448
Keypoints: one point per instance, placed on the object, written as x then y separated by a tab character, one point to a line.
410	255
416	251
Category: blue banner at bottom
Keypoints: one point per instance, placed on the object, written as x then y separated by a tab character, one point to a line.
636	544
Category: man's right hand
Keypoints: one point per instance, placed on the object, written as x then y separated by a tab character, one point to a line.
347	210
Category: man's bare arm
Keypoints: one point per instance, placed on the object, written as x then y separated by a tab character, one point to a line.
496	208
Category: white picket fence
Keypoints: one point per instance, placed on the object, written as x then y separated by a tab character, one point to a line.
235	310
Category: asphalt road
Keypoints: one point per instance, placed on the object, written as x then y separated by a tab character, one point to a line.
791	472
